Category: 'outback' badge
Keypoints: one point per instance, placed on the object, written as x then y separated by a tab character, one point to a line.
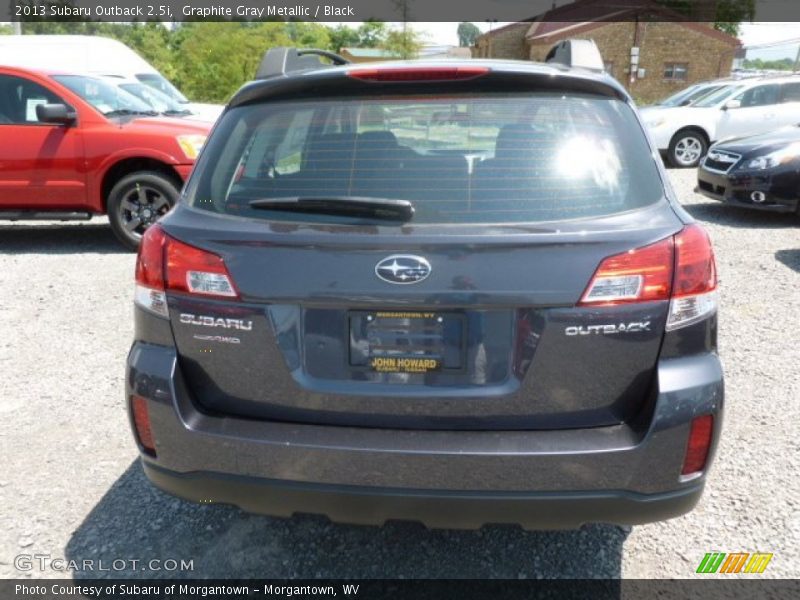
403	268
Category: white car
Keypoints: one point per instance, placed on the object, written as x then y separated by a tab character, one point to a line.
689	95
746	107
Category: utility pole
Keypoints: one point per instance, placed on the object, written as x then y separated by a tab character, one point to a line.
796	61
17	25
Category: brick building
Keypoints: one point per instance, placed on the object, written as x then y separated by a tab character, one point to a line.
651	50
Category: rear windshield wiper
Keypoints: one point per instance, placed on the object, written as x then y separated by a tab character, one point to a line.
377	208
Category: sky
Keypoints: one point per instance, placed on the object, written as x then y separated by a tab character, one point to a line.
752	34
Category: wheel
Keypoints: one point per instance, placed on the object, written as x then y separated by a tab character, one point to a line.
137	201
687	148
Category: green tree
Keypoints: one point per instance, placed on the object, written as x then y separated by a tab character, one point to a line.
214	59
6	30
404	43
309	35
728	14
371	34
342	36
467	34
151	41
783	64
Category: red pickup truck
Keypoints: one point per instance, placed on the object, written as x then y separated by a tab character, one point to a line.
73	146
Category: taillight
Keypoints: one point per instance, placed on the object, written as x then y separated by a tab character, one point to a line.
149	292
680	269
165	264
700	436
196	271
637	275
141	422
410	74
694	295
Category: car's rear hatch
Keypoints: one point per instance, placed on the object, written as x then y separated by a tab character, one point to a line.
494	330
468	315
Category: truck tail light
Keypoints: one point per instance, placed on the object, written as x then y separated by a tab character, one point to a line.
141	422
700	436
680	269
166	264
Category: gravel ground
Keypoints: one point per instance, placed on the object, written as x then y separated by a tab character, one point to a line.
71	487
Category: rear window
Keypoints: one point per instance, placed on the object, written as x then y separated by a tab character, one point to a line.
465	159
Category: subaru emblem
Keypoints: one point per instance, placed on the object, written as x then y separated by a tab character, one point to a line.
403	268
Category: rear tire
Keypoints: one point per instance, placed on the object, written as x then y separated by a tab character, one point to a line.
137	201
686	148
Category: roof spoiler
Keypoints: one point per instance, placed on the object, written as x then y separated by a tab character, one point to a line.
576	53
282	60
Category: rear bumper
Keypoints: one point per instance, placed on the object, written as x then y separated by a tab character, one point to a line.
779	189
623	474
452	510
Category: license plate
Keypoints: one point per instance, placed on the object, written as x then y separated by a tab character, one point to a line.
406	341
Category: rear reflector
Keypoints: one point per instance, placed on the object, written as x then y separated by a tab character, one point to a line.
141	422
165	264
407	74
637	275
697	449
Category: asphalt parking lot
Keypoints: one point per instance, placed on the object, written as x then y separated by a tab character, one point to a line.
71	486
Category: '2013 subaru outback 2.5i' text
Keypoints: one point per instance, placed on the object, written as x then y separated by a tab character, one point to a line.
452	292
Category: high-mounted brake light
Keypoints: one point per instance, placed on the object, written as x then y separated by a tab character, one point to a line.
410	74
165	264
700	436
680	269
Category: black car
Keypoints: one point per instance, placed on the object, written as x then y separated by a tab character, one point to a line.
453	292
760	171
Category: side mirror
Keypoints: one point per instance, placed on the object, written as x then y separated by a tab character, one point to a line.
685	103
58	114
731	104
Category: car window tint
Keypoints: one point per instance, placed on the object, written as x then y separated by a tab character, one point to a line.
471	159
760	95
19	98
791	92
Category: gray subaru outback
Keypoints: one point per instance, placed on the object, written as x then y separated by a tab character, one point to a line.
452	292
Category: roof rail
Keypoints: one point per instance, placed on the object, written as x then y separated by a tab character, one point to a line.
576	53
282	60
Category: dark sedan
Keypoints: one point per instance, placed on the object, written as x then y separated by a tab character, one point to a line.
761	171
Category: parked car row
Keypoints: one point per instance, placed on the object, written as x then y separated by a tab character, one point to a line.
760	171
755	161
95	55
736	108
88	127
72	146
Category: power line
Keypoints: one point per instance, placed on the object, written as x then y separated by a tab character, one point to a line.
772	44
